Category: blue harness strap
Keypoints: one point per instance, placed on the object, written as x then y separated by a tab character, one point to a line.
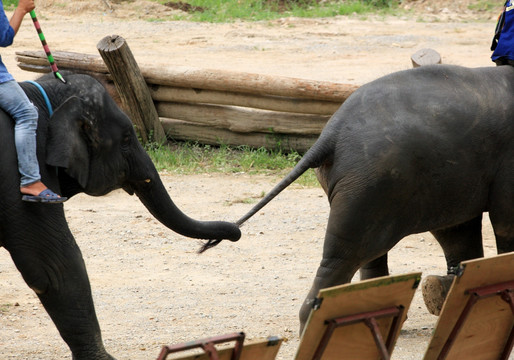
48	105
45	96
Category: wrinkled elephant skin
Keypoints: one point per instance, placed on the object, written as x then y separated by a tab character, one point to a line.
426	149
88	145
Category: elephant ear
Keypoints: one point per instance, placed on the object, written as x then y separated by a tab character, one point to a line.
66	144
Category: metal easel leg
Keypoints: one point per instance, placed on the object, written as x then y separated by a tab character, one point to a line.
370	320
208	346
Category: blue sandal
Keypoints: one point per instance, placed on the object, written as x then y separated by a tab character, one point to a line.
45	196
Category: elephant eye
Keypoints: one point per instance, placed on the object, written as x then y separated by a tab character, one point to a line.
125	141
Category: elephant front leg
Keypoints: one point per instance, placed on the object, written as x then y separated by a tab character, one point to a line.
459	243
502	209
57	273
375	268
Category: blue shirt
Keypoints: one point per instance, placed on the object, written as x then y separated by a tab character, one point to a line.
505	47
6	39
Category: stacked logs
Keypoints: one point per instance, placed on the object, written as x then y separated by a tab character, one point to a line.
223	107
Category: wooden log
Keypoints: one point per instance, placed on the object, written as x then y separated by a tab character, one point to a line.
35	68
259	84
183	130
220	80
244	120
425	57
70	60
131	87
46	69
305	106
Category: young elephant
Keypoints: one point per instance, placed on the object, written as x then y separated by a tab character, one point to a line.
88	145
427	149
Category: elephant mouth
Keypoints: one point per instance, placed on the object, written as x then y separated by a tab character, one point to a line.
128	189
134	186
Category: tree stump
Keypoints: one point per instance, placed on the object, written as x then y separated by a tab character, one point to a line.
134	93
425	57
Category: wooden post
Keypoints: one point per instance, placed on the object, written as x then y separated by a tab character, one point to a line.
132	88
425	57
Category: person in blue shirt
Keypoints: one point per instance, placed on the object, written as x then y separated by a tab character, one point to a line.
503	40
14	102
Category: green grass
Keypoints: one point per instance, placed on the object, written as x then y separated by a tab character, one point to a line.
192	158
253	10
5	307
485	6
9	4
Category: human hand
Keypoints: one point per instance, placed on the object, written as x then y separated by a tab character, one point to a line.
26	6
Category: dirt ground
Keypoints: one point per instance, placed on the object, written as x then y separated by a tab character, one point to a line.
149	284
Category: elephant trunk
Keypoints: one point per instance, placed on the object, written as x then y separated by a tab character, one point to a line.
154	196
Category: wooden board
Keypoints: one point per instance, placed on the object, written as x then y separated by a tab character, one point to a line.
356	341
263	349
183	130
485	332
244	120
161	93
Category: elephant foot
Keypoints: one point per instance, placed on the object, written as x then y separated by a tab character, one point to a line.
435	289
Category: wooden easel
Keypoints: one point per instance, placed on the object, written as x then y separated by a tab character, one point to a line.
358	321
265	349
477	318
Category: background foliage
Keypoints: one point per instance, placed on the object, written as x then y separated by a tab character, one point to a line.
230	10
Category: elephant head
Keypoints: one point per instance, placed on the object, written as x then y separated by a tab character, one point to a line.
95	144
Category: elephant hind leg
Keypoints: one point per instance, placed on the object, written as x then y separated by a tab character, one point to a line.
322	173
350	242
332	271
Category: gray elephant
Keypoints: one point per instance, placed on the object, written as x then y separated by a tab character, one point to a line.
426	149
88	145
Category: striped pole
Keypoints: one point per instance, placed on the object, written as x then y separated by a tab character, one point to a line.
46	48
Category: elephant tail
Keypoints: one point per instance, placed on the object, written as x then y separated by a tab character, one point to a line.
313	158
